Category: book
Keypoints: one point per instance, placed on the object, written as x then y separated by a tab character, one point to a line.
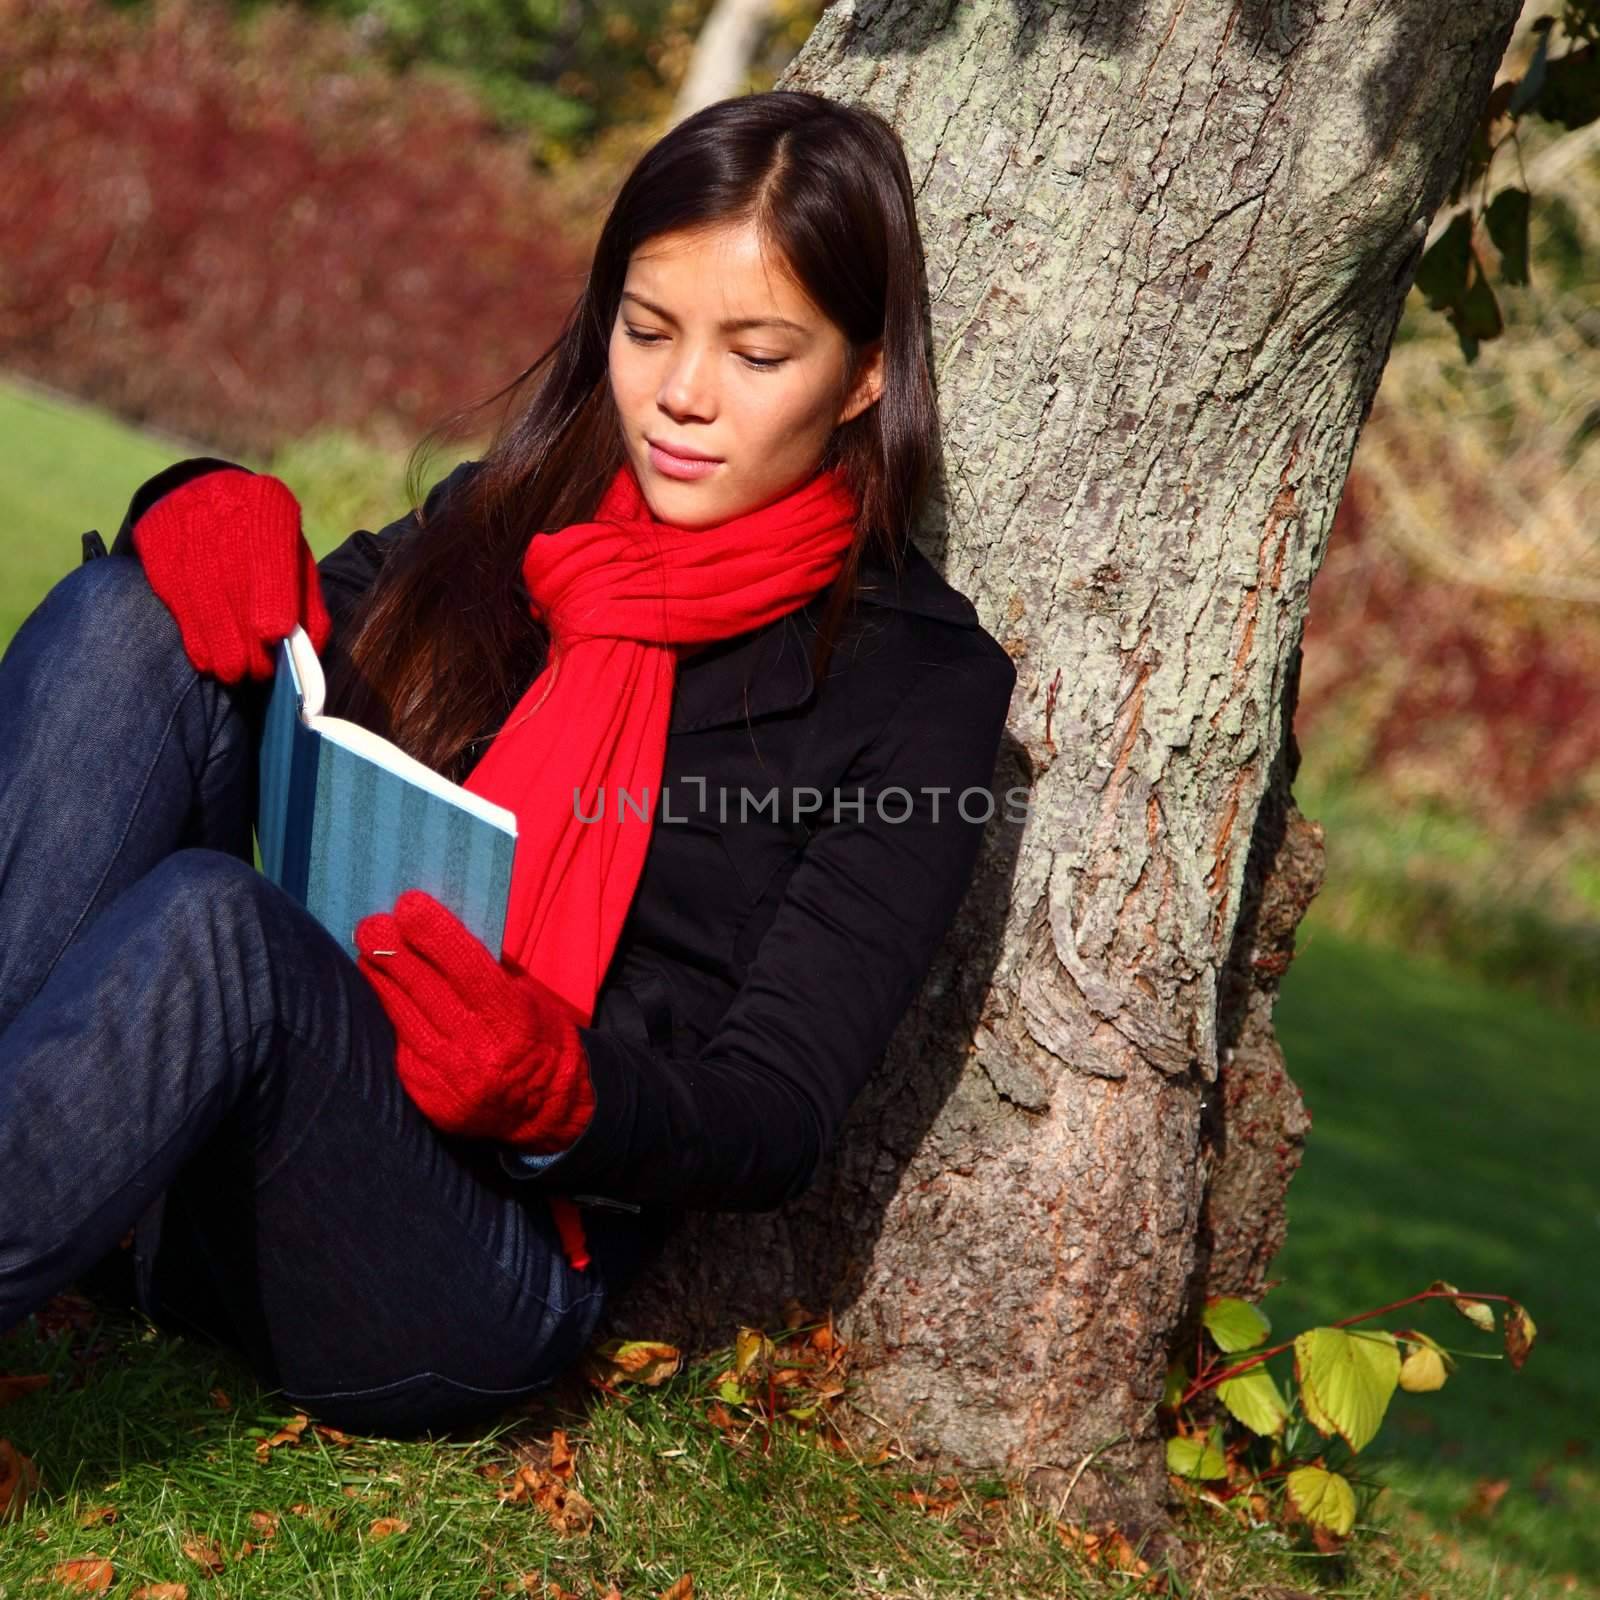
346	820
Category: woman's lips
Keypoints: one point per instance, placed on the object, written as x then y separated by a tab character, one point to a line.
671	466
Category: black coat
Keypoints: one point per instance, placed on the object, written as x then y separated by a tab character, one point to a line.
766	962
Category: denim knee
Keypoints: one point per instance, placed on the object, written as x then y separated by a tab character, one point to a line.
111	618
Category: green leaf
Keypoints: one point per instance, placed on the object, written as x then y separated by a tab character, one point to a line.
1478	313
1177	1381
1507	221
1442	272
1323	1497
1197	1458
1570	97
1235	1324
1347	1379
1532	81
1254	1398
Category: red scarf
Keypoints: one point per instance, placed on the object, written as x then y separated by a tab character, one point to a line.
621	595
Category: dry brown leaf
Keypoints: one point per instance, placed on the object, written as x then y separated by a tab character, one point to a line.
97	1515
683	1589
646	1361
265	1523
1487	1494
13	1385
18	1479
204	1552
333	1435
386	1527
220	1399
289	1433
161	1591
86	1574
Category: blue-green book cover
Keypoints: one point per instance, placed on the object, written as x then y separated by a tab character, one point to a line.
347	821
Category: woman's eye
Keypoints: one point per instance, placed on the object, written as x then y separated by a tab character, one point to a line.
760	363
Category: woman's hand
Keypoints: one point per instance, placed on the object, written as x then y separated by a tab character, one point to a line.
482	1048
226	555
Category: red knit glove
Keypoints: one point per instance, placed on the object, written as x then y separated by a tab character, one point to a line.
226	555
483	1048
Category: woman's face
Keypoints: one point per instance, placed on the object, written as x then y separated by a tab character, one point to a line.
718	351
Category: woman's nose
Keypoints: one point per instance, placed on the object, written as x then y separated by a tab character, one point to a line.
687	388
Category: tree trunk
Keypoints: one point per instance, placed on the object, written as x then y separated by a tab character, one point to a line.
1166	256
722	54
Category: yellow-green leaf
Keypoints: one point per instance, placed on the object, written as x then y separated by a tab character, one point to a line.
1323	1497
1478	1312
1422	1370
750	1345
1197	1458
1255	1400
1520	1333
1235	1324
1347	1378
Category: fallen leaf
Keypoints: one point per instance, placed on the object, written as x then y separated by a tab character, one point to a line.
220	1400
333	1435
385	1527
161	1591
13	1385
289	1433
265	1523
683	1589
205	1553
96	1515
18	1479
1487	1494
86	1574
646	1361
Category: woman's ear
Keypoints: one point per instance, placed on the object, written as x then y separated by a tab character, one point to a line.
868	384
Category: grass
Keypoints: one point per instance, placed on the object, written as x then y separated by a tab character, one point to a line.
1453	1138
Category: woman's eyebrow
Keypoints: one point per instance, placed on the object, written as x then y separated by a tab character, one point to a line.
733	326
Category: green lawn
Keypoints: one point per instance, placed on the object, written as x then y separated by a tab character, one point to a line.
66	470
1454	1137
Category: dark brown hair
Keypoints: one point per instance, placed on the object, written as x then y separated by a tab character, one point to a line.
442	647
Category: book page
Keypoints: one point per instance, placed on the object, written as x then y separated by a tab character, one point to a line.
364	742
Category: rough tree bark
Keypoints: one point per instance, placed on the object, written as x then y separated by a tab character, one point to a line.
1167	249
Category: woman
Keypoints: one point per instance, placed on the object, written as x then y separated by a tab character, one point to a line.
407	1184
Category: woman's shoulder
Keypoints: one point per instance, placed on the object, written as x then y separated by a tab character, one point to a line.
915	628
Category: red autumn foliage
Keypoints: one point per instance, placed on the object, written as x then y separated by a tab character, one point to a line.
244	236
1485	703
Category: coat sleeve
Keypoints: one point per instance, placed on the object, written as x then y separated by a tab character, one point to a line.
742	1124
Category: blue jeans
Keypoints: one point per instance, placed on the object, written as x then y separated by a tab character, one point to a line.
183	1046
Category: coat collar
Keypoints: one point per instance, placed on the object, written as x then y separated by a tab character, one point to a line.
769	668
